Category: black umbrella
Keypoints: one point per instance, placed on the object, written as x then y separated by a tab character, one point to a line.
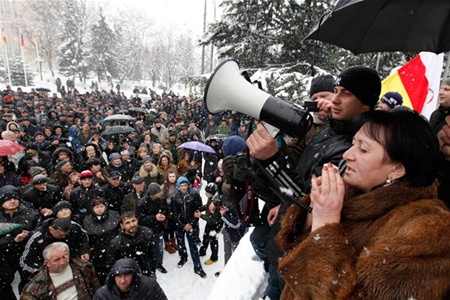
116	130
386	25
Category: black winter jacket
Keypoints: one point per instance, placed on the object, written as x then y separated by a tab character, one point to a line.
141	247
148	209
184	207
142	287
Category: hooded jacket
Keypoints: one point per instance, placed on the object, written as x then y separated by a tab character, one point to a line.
142	287
391	243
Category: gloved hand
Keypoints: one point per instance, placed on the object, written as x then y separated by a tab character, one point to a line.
228	168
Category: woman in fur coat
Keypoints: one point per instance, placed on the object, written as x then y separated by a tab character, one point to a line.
379	232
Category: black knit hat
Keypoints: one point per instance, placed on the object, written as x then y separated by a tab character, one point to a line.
363	82
60	205
8	192
321	83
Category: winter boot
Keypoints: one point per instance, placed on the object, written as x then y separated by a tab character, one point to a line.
169	248
173	242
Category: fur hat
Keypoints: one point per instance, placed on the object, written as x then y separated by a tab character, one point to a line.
363	82
232	145
392	99
321	83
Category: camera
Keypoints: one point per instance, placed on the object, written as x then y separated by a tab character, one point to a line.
311	106
241	160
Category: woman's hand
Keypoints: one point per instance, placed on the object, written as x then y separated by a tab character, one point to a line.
327	197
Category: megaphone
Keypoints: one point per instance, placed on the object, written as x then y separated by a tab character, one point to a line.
226	89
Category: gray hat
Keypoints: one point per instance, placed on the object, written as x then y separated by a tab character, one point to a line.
38	179
153	188
61	164
137	180
36	170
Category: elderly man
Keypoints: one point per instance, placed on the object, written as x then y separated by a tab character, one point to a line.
61	277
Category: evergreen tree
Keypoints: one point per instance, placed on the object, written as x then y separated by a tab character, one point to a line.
73	58
103	44
17	72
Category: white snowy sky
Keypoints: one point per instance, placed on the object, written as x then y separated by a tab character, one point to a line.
182	14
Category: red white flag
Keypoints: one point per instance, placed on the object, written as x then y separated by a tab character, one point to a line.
418	82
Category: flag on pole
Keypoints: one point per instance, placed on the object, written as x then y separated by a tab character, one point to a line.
35	40
3	35
22	40
418	82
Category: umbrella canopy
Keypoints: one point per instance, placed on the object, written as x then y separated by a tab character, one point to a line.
386	25
9	148
197	146
137	110
10	228
117	130
119	118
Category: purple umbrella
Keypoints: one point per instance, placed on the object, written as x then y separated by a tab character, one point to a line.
197	146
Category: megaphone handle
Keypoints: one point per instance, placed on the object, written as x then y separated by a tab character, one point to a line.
273	131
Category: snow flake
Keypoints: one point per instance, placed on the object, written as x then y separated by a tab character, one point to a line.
317	237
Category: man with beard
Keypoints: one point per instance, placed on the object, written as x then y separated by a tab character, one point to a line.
133	241
32	153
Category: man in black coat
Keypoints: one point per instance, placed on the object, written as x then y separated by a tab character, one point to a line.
135	242
43	196
81	196
125	281
115	190
152	212
32	153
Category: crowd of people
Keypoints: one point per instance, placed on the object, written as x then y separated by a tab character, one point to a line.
88	198
356	208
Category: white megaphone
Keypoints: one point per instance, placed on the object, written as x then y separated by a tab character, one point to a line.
226	89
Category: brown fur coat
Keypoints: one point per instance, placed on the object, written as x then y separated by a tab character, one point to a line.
391	243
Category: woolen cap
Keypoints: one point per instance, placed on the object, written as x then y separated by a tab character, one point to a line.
38	179
392	99
321	83
363	82
232	145
153	188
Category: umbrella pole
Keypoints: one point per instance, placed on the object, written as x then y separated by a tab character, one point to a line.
378	61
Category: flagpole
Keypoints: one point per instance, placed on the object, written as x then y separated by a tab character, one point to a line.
23	58
38	59
7	64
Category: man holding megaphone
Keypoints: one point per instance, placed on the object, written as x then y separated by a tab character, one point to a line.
356	90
